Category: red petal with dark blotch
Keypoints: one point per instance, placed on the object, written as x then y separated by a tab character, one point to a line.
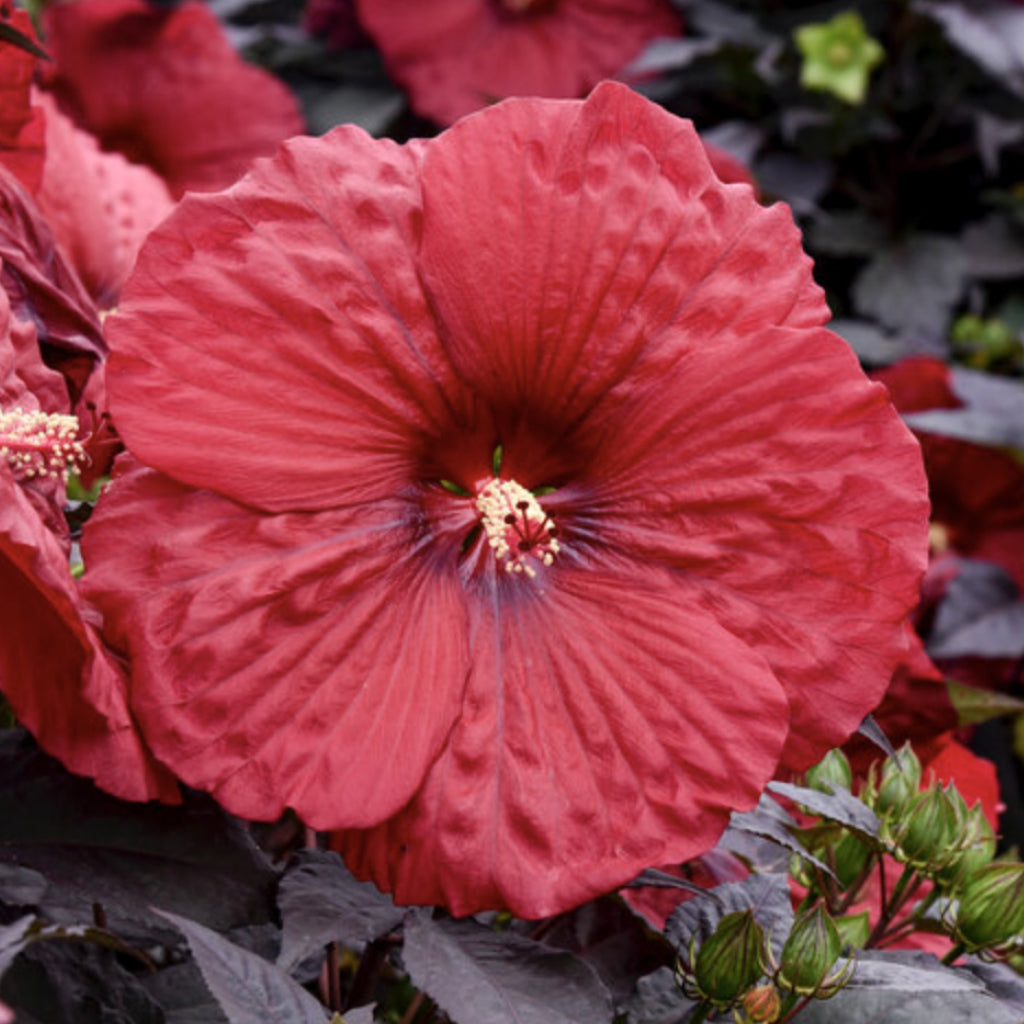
607	726
164	86
275	343
313	661
599	248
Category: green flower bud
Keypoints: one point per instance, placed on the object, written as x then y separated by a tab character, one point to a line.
762	1005
810	952
897	784
991	906
832	770
729	962
977	848
839	56
929	837
849	855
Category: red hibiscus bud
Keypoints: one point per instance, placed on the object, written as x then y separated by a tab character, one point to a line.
810	952
729	962
991	907
762	1005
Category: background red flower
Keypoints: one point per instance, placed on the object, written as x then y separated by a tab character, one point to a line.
164	86
469	53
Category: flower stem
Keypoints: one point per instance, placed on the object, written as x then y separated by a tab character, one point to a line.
957	951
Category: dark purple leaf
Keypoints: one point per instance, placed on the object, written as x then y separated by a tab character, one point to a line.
767	896
770	821
479	976
977	614
659	1000
249	989
991	34
92	848
840	806
913	285
899	987
321	902
993	248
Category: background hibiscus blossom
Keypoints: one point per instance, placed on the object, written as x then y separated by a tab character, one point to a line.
469	53
510	556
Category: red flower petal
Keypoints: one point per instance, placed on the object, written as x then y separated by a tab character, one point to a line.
44	290
59	680
99	206
632	253
21	124
348	355
164	86
469	53
214	608
568	773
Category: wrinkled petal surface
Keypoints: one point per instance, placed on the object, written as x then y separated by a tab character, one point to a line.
549	792
305	660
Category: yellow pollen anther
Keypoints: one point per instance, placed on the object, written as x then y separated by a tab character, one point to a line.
40	444
518	530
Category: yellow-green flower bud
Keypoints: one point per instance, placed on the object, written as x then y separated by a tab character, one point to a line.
833	770
810	952
729	961
991	906
762	1005
838	56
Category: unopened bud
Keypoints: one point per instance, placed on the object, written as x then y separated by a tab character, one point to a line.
762	1005
991	906
729	961
898	783
810	952
977	848
831	772
929	837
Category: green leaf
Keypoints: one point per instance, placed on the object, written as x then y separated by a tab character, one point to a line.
974	705
249	989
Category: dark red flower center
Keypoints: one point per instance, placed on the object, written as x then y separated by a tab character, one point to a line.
39	444
524	7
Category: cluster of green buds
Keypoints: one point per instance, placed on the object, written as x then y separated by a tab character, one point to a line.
735	968
931	830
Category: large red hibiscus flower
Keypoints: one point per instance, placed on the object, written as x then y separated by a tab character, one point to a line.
164	86
468	53
511	510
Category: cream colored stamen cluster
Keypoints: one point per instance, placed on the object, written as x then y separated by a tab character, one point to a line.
39	444
517	528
